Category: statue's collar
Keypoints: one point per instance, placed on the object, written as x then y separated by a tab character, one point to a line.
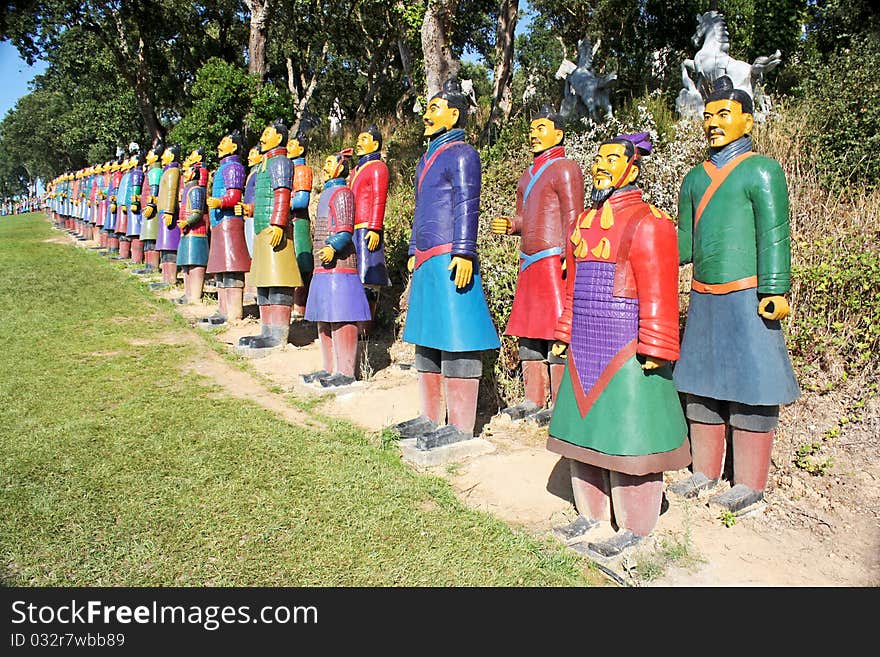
552	153
456	134
369	157
721	156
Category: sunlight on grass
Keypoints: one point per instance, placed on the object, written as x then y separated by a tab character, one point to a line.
117	469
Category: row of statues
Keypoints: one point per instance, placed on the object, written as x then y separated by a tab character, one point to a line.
595	311
248	219
11	206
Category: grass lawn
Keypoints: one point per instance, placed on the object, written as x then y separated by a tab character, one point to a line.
117	469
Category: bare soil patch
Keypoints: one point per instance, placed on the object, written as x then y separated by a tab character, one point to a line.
819	529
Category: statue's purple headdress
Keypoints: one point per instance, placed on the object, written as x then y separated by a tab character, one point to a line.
639	140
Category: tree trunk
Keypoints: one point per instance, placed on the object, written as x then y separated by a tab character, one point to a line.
439	62
308	86
257	63
504	39
135	68
404	103
374	75
142	93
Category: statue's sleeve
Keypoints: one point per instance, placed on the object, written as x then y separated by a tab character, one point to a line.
302	187
686	223
233	181
378	182
411	251
154	182
464	170
342	208
562	332
195	205
570	192
249	186
280	175
652	256
168	194
137	181
770	201
517	221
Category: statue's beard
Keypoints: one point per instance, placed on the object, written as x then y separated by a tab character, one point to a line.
599	196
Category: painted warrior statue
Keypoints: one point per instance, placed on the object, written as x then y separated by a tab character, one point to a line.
734	367
369	183
336	299
167	205
274	270
86	206
81	195
103	189
549	195
135	218
245	208
228	257
92	201
75	201
447	318
300	195
617	416
116	173
122	201
149	204
192	251
83	209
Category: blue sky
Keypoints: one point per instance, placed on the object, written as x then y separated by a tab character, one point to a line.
15	75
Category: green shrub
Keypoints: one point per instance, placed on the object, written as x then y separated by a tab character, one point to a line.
838	301
842	116
221	95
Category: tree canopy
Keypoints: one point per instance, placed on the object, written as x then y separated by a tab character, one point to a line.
126	70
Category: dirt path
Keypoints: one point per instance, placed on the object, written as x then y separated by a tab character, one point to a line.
821	530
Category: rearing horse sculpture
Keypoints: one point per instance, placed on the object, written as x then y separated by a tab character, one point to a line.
585	92
713	60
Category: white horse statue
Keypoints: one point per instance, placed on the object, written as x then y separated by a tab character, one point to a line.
585	92
713	60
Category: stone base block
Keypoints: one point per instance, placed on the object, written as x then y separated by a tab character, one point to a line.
452	453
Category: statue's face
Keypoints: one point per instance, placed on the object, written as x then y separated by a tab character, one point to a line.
226	147
543	135
194	157
366	144
152	158
332	167
439	117
133	162
294	148
167	156
270	139
724	122
609	166
254	156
